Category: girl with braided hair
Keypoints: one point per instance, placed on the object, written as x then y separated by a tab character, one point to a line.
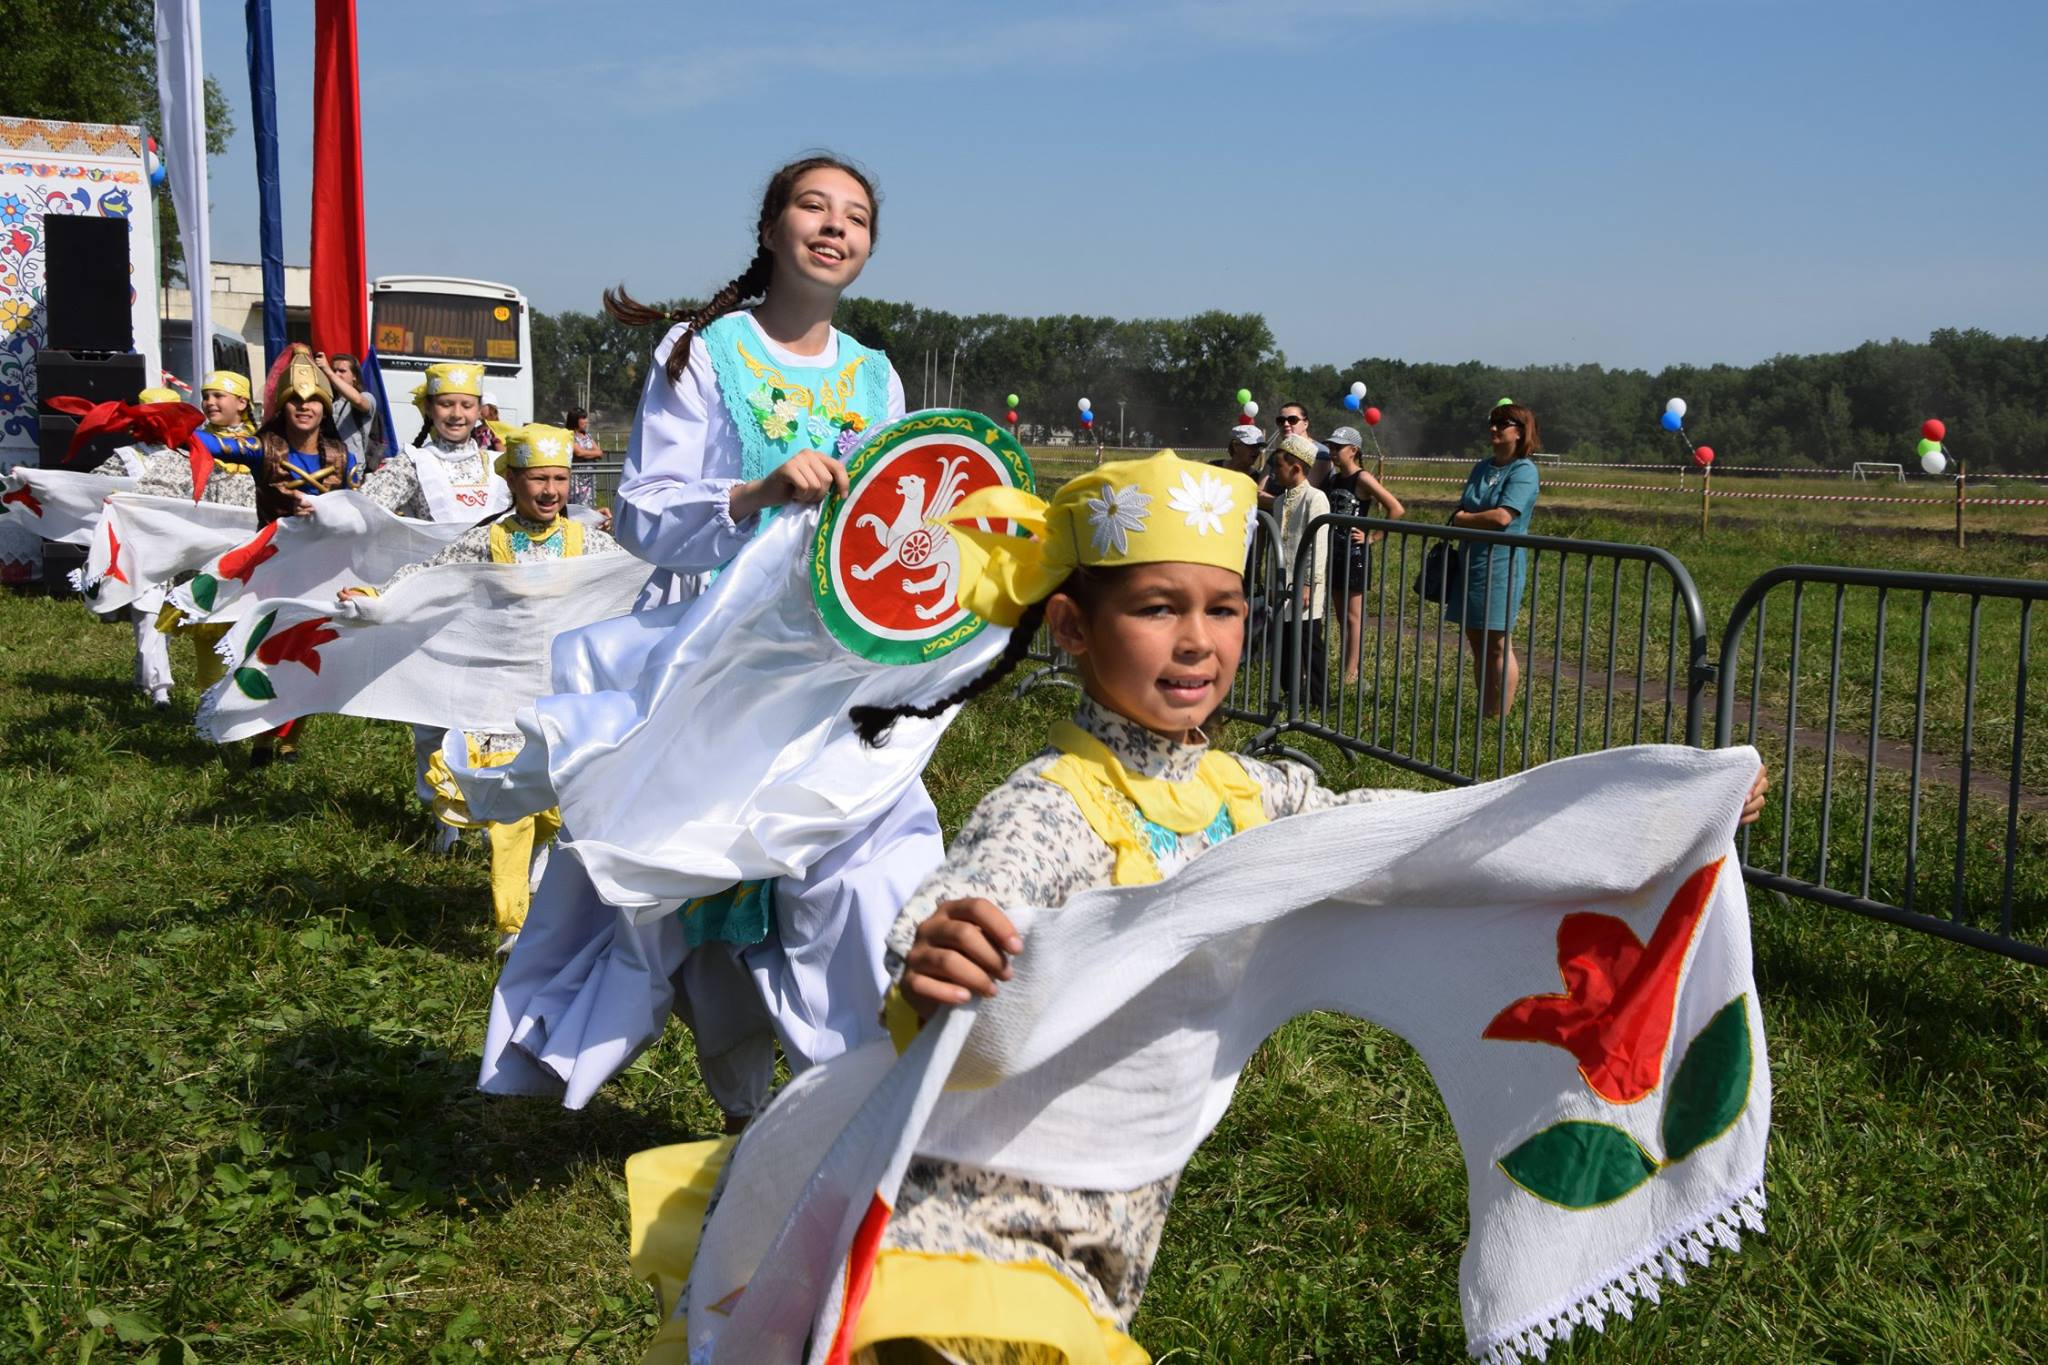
747	409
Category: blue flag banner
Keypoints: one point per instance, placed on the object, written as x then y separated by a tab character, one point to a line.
373	384
263	118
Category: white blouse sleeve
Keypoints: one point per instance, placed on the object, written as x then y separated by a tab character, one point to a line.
671	512
897	406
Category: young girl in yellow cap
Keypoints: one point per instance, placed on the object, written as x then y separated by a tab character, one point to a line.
446	475
535	466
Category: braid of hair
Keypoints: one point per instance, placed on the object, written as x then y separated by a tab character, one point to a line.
751	283
873	723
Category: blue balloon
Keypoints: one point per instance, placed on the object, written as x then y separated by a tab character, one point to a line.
1351	401
1087	419
1672	421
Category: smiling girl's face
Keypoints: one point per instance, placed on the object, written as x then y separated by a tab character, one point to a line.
825	235
1160	643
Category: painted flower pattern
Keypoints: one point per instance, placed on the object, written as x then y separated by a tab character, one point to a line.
1114	513
1205	502
14	315
12	210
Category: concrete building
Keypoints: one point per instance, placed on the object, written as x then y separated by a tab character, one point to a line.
238	307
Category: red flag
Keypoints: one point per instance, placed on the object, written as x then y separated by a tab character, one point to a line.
340	274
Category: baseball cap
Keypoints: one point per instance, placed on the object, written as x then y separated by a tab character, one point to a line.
1247	434
490	398
1344	436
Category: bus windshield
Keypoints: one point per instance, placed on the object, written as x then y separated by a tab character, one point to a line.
447	327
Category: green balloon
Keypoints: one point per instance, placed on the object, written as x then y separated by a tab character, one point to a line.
1929	447
1505	403
1011	400
1244	395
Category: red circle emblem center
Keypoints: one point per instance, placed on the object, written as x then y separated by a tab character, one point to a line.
896	570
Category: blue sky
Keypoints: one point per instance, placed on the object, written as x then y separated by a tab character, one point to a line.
1633	182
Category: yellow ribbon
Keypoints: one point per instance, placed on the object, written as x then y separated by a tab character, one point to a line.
1000	573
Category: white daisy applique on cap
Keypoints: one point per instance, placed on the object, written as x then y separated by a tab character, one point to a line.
1206	503
1114	513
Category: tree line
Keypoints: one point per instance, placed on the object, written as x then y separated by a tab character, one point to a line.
1174	381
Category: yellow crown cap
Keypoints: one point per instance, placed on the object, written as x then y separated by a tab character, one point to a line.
227	381
536	446
1162	510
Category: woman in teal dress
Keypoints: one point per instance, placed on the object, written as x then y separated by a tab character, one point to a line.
1500	495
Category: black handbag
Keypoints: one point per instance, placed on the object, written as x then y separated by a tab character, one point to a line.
1443	572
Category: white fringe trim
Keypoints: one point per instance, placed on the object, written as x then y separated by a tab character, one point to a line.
206	719
1617	1292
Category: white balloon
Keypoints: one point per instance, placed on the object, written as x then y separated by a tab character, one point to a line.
1251	410
1358	388
1676	405
1934	461
1085	405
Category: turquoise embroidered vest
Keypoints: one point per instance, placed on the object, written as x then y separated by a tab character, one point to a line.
781	409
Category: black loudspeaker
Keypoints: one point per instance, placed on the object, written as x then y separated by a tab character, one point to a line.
93	378
85	278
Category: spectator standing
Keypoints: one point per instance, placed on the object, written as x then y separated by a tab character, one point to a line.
1500	495
1354	493
1296	504
583	482
355	413
1294	422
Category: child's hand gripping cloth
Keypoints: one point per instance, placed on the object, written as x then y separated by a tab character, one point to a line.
347	542
58	504
722	752
1568	950
143	544
462	646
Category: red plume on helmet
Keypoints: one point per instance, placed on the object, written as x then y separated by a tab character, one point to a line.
164	424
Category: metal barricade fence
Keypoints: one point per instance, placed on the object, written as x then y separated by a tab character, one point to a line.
1609	642
605	474
1925	787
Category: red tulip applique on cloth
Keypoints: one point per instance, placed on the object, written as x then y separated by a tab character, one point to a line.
239	564
294	644
25	496
1615	1012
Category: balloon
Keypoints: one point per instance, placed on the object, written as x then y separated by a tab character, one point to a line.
1702	456
1011	417
1011	400
1933	429
1244	395
1934	462
1358	388
1372	417
1676	405
1672	421
1505	403
1251	410
1085	405
1087	419
1927	448
1351	401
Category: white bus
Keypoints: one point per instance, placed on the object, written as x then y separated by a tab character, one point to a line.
422	320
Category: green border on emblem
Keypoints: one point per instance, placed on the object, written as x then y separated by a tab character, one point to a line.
971	428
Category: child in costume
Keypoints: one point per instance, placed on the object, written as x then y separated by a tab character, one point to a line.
447	475
535	465
302	453
152	649
746	411
1136	570
231	441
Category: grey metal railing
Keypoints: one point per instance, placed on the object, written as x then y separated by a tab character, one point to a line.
1918	815
1610	642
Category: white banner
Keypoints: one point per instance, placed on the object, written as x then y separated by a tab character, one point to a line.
181	87
58	504
143	544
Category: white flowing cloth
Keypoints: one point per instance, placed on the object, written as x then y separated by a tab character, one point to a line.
347	542
1115	1050
63	505
144	544
459	645
713	744
689	748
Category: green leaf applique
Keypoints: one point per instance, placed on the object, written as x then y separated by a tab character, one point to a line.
262	629
1579	1165
1712	1085
255	684
204	588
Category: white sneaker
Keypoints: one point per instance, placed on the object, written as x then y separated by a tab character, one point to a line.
505	942
160	698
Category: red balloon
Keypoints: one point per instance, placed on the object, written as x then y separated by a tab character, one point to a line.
1372	417
1933	429
1011	416
1703	456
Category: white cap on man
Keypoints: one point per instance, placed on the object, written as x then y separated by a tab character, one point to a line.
1247	435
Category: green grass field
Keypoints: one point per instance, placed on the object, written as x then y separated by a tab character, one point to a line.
242	1013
